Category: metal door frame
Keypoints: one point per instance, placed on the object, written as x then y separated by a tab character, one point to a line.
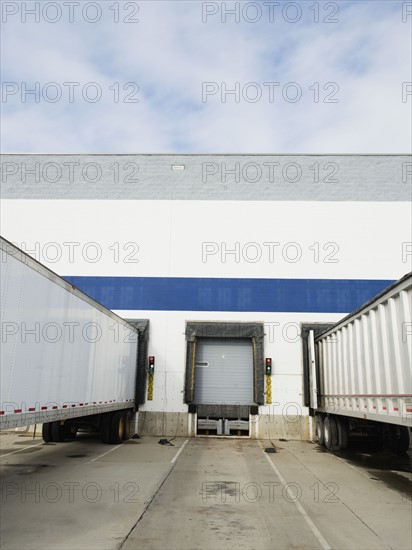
225	330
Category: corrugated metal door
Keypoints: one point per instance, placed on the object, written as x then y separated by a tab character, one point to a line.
224	371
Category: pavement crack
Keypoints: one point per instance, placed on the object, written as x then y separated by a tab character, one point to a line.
146	507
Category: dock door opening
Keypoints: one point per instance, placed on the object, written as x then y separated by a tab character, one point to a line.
224	375
224	371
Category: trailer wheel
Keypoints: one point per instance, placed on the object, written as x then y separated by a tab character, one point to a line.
320	434
330	430
70	432
57	432
398	439
404	439
116	428
343	433
46	432
127	425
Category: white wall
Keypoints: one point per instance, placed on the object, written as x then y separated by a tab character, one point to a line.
372	237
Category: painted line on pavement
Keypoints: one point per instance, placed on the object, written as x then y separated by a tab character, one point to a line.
19	450
178	452
107	452
310	523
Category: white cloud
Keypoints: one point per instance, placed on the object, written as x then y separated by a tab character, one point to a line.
171	52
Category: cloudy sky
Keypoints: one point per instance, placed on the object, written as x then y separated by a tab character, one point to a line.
192	76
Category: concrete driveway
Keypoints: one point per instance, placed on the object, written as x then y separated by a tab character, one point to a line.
203	493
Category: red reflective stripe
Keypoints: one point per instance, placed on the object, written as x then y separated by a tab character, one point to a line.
409	410
395	409
1	412
17	411
73	405
44	408
55	407
32	409
384	408
64	407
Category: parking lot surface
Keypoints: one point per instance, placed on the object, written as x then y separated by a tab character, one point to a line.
201	493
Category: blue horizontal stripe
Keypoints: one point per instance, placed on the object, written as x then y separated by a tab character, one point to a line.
200	294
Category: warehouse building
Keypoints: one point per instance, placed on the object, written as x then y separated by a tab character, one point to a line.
224	261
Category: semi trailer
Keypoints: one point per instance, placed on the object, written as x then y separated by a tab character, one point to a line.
359	377
67	362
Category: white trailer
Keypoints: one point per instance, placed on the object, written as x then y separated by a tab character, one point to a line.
360	379
67	362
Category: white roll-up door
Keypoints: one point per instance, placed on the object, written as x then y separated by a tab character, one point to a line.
224	371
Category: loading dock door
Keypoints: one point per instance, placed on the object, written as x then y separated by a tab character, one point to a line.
224	371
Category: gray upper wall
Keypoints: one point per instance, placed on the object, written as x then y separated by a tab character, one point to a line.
207	177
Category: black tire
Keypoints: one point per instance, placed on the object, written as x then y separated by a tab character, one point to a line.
116	428
127	425
343	433
57	432
320	434
46	432
398	441
70	432
404	439
330	431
